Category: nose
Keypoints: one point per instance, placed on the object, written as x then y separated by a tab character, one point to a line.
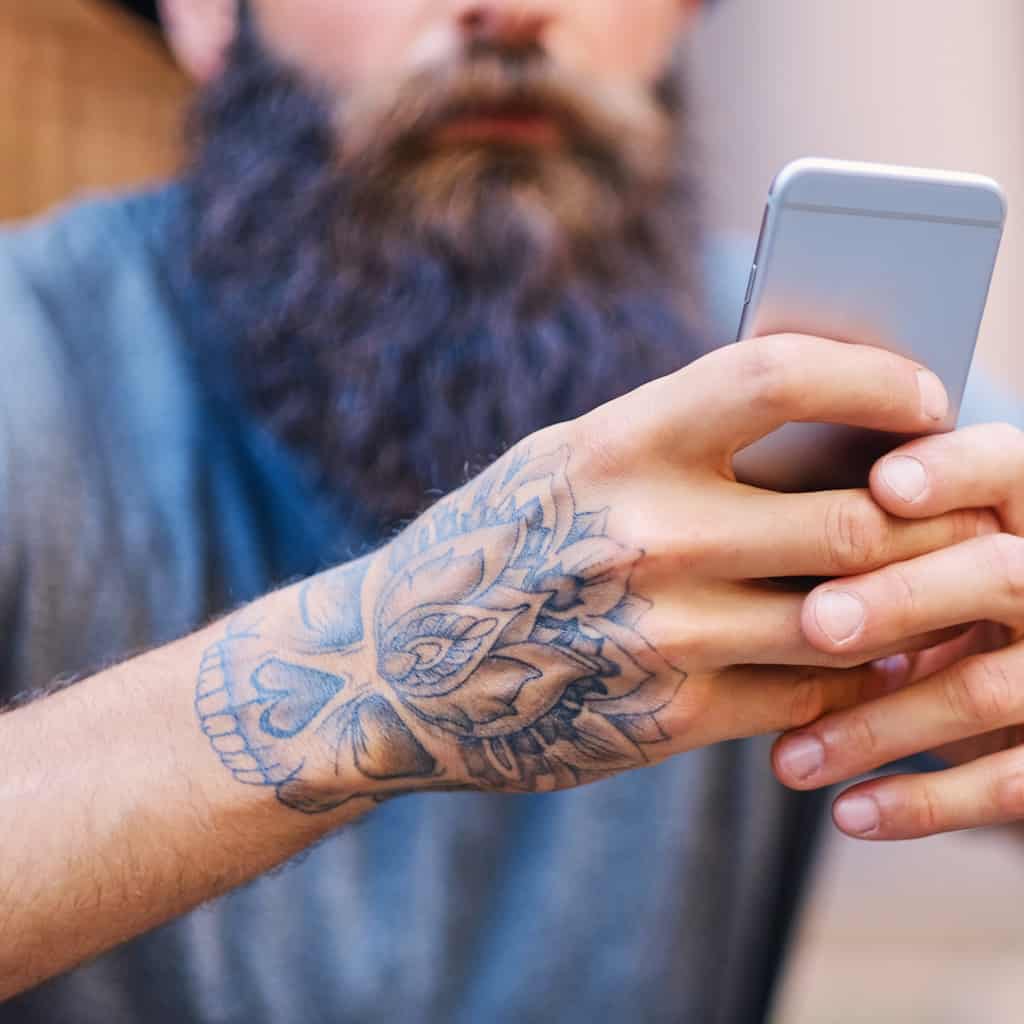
508	24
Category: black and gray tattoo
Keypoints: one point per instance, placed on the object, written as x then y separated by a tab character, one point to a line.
499	631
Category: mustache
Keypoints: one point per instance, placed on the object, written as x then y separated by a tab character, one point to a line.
389	356
594	117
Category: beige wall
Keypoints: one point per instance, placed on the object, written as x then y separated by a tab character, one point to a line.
925	82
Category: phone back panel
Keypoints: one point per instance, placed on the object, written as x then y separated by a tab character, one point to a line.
865	253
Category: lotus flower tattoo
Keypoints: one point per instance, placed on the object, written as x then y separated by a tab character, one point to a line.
505	625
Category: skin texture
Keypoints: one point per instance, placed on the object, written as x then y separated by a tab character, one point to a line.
588	605
605	596
545	626
963	700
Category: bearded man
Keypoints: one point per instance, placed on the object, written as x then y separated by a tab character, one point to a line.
413	237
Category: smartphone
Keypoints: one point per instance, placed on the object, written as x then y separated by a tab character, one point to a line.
868	254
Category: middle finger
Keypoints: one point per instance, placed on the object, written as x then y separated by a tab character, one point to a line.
763	535
753	624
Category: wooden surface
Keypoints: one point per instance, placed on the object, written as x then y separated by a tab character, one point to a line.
89	99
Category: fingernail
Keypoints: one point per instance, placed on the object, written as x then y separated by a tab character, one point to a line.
857	815
800	757
906	476
839	615
933	395
895	671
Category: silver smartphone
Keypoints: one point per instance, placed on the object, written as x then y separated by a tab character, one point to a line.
871	254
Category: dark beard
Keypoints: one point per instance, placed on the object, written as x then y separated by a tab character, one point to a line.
399	319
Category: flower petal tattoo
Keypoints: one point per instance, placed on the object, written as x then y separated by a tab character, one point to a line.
503	628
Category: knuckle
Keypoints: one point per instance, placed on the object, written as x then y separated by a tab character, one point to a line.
1006	561
685	544
701	545
635	535
900	601
602	454
979	692
688	645
924	811
1008	795
857	739
765	370
857	536
689	710
807	704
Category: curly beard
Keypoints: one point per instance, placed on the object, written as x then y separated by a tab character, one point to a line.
400	311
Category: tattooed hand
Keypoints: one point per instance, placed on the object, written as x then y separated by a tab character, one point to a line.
590	604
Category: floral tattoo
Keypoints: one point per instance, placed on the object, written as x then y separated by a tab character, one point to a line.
501	626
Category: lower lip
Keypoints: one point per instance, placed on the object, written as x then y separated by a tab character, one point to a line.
509	131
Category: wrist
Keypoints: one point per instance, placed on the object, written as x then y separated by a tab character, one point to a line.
290	697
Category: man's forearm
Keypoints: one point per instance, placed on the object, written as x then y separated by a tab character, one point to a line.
116	813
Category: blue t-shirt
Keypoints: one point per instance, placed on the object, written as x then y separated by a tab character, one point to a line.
137	500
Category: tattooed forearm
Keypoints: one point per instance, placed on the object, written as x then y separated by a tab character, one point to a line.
496	643
292	722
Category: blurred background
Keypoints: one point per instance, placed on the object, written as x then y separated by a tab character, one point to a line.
927	932
88	100
917	933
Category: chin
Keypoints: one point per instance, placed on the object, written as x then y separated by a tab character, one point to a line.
417	308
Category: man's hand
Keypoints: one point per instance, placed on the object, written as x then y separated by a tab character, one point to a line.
965	698
593	602
587	605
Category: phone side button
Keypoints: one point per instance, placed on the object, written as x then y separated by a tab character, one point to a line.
750	285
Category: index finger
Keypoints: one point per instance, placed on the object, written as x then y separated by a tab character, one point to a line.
742	392
763	535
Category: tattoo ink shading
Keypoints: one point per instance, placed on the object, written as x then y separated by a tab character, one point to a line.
505	629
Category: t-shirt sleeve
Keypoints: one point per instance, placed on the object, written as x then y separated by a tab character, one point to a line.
101	552
36	421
